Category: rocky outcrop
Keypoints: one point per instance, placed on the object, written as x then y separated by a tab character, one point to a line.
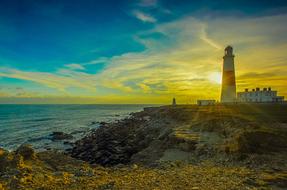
115	143
16	159
202	132
258	141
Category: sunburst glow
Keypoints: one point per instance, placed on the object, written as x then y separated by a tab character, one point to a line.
215	77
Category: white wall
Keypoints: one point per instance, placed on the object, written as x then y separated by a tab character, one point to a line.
256	96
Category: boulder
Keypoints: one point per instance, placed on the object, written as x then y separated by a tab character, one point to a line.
26	151
103	123
3	152
60	136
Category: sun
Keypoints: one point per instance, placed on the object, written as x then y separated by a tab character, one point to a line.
215	77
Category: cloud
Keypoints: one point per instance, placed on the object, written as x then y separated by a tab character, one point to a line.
17	92
208	40
256	75
75	66
4	94
59	81
179	62
144	17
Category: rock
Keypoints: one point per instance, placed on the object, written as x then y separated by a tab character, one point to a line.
107	186
79	131
17	162
257	141
60	136
113	144
102	123
165	133
134	166
146	118
2	152
67	143
251	181
3	159
26	151
144	137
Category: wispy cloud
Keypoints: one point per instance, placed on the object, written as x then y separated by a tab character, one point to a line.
179	64
4	94
144	17
60	81
208	40
75	66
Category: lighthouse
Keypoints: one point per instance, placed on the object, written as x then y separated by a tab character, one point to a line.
228	86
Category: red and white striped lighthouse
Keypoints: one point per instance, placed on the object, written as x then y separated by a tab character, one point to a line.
228	87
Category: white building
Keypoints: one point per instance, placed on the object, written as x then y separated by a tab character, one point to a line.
257	95
205	102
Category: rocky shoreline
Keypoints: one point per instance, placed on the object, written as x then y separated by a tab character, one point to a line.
229	146
187	133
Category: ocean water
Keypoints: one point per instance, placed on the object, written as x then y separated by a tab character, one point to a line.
33	124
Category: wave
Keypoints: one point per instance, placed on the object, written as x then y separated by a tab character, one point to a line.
39	119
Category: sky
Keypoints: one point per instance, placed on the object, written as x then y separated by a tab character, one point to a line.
137	51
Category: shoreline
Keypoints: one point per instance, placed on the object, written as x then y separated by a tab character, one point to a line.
235	143
35	124
188	128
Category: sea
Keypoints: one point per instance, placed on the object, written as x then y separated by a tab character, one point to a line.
34	124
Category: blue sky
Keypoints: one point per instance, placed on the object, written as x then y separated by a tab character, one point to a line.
104	50
48	34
